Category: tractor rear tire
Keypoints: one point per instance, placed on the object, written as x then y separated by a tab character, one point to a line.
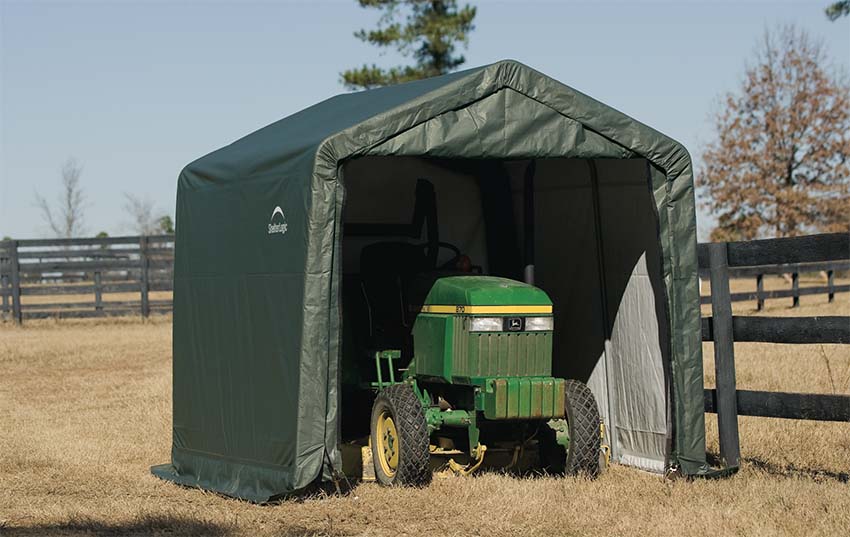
582	416
399	436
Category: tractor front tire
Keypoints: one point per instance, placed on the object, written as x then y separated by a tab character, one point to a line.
583	421
399	436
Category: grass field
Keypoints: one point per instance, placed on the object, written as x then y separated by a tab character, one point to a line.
85	410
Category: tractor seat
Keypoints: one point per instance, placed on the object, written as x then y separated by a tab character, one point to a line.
386	271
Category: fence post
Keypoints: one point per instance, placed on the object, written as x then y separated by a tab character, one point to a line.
144	265
724	355
830	284
4	281
14	272
795	289
4	285
98	292
760	292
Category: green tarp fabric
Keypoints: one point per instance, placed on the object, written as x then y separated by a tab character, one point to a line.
257	269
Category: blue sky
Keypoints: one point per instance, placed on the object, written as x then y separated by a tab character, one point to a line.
135	90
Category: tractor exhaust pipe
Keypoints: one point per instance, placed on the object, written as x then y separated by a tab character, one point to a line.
528	223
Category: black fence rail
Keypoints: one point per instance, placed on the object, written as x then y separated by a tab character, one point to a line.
720	260
61	268
828	269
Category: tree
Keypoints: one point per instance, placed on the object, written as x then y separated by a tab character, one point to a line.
144	220
103	235
779	163
166	225
838	9
428	30
66	219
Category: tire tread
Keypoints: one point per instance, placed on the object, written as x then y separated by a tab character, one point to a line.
414	464
583	419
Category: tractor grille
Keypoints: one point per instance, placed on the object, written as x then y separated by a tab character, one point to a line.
501	354
522	398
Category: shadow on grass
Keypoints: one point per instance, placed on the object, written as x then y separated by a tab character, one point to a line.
318	490
818	474
790	470
147	525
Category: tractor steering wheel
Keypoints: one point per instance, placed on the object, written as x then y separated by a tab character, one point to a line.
451	263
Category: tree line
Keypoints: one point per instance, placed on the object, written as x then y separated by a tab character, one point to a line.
64	217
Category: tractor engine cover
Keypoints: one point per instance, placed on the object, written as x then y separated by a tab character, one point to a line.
473	328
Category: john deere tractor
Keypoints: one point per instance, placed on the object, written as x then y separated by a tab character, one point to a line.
463	361
482	362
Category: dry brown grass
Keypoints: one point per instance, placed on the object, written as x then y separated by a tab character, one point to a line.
85	410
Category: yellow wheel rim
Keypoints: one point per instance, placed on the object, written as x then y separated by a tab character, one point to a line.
387	443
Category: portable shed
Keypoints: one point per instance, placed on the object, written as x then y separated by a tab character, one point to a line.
260	265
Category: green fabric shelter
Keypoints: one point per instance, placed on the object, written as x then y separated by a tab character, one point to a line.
258	276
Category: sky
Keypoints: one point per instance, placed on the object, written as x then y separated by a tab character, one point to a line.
135	90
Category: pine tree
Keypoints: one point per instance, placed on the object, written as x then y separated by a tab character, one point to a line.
838	10
428	30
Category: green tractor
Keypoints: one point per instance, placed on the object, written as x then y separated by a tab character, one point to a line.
462	359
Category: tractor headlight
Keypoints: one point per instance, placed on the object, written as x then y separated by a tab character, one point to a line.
485	324
539	324
511	324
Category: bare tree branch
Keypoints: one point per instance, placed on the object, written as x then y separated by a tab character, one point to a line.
144	218
66	220
47	215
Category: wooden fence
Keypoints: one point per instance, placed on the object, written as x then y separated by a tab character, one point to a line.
99	267
61	272
722	328
795	292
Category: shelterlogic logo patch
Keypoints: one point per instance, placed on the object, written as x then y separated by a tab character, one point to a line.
277	223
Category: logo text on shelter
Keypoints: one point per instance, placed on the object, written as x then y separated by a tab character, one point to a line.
279	225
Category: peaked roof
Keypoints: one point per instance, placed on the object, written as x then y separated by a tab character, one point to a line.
303	134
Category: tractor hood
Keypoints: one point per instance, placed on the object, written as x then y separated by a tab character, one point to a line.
460	292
